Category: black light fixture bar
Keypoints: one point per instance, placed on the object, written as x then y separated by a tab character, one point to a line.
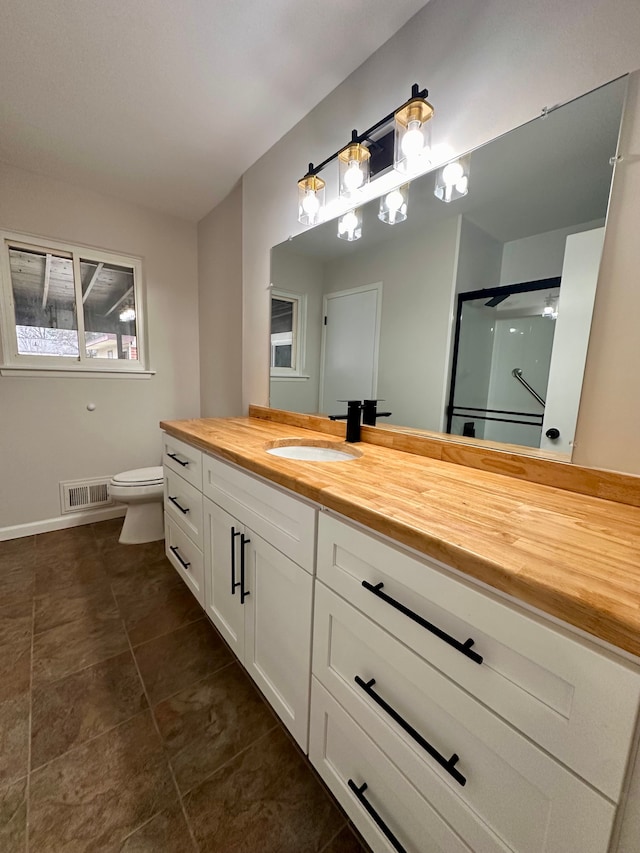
359	138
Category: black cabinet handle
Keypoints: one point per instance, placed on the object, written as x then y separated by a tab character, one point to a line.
359	792
243	592
463	648
447	763
179	461
234	533
174	548
182	509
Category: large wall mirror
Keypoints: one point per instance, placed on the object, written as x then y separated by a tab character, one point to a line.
470	317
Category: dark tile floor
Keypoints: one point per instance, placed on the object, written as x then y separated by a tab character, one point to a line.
125	722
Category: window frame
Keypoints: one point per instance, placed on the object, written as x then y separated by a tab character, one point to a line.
298	348
14	362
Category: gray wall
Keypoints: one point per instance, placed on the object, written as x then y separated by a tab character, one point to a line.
46	432
460	50
220	308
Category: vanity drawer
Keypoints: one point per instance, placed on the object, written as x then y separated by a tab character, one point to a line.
554	688
185	557
183	502
182	458
499	790
288	523
340	751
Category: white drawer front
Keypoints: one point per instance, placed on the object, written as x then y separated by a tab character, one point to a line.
340	751
183	502
185	556
555	689
284	521
182	458
420	719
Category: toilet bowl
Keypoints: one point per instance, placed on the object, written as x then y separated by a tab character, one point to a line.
142	490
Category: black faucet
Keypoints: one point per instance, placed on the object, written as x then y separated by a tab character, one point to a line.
370	412
354	407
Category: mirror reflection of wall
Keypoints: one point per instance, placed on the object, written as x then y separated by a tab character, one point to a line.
535	210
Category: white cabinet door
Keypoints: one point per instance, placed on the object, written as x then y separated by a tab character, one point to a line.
223	567
277	650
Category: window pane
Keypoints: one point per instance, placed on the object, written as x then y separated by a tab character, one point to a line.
109	307
283	332
281	316
44	301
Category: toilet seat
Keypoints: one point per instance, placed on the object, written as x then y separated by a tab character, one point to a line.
139	477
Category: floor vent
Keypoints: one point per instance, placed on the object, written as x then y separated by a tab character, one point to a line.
84	494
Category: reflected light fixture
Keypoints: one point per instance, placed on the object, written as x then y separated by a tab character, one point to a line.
393	205
452	180
310	198
350	225
369	153
550	309
127	315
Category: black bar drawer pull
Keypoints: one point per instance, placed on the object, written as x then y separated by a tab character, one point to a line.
174	456
359	792
182	509
243	592
174	549
464	648
447	763
234	533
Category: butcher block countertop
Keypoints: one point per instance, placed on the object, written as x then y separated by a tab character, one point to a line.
573	556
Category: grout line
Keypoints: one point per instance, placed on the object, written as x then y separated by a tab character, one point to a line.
192	684
157	728
230	760
29	729
77	746
333	837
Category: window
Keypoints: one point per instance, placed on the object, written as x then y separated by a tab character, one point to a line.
69	308
288	317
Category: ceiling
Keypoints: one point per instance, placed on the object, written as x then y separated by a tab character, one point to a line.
164	103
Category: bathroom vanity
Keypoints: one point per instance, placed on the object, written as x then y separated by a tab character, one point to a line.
457	650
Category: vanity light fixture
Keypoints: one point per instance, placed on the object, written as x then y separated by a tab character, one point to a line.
310	198
412	144
353	168
452	180
393	205
350	225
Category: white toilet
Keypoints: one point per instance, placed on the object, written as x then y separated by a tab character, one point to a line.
142	490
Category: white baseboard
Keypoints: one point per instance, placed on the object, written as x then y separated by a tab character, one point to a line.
61	522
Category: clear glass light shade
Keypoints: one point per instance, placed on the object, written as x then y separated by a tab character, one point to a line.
310	200
393	205
452	180
353	169
412	145
350	225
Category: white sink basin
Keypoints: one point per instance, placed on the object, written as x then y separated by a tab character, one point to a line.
310	451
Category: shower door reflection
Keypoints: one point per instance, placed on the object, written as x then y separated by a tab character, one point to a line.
502	356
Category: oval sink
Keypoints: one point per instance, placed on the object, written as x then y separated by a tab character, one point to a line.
310	450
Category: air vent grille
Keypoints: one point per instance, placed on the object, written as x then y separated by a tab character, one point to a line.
84	494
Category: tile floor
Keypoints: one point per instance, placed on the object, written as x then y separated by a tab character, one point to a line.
125	722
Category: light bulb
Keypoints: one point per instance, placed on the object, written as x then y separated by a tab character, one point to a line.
462	186
349	222
413	140
394	201
354	176
310	204
452	173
